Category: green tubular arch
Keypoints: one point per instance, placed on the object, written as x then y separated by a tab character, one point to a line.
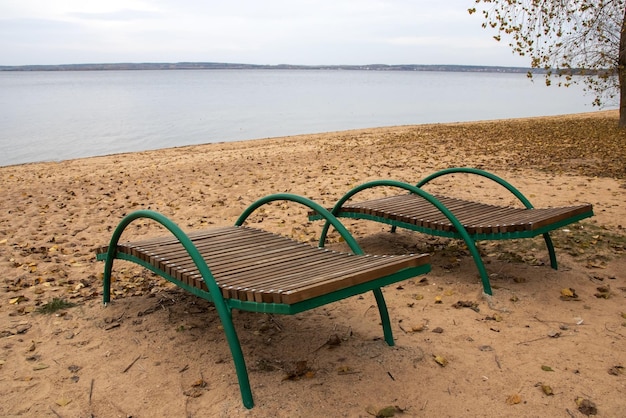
506	185
176	231
224	311
330	218
349	239
471	245
482	173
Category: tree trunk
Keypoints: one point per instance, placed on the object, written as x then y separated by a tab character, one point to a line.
621	71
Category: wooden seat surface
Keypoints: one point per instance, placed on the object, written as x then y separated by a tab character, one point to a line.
477	218
255	265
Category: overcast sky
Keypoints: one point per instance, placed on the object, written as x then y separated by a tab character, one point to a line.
248	31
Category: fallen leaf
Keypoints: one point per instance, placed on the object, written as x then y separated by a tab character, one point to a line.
200	383
547	390
546	368
438	299
342	370
596	265
63	401
514	399
568	294
440	360
72	368
388	411
18	299
587	407
300	369
422	282
419	328
193	392
466	304
604	292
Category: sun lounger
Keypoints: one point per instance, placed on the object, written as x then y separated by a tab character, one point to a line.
456	218
238	267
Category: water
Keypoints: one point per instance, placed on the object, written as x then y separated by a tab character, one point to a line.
50	116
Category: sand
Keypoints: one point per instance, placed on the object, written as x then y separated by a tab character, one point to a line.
158	351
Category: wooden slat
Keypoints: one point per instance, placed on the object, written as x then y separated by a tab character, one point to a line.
300	274
255	265
477	218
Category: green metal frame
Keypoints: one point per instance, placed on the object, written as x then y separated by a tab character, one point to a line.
224	306
461	232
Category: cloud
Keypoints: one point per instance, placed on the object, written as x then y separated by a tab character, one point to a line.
252	31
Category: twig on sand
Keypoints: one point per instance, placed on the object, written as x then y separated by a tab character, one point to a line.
530	341
556	335
131	364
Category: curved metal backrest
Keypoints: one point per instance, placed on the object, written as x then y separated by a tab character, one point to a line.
330	218
176	231
223	310
349	239
482	173
506	185
435	202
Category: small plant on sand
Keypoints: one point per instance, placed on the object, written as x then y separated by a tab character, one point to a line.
55	305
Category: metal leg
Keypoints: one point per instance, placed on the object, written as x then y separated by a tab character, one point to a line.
550	246
384	316
484	277
240	363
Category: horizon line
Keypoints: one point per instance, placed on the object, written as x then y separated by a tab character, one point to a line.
182	65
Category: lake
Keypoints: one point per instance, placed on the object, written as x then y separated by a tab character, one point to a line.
52	116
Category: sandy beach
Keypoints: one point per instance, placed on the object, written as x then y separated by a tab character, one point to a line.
159	351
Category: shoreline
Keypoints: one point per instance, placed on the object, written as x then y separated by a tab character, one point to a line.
598	113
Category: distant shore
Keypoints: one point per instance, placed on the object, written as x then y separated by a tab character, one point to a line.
236	66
